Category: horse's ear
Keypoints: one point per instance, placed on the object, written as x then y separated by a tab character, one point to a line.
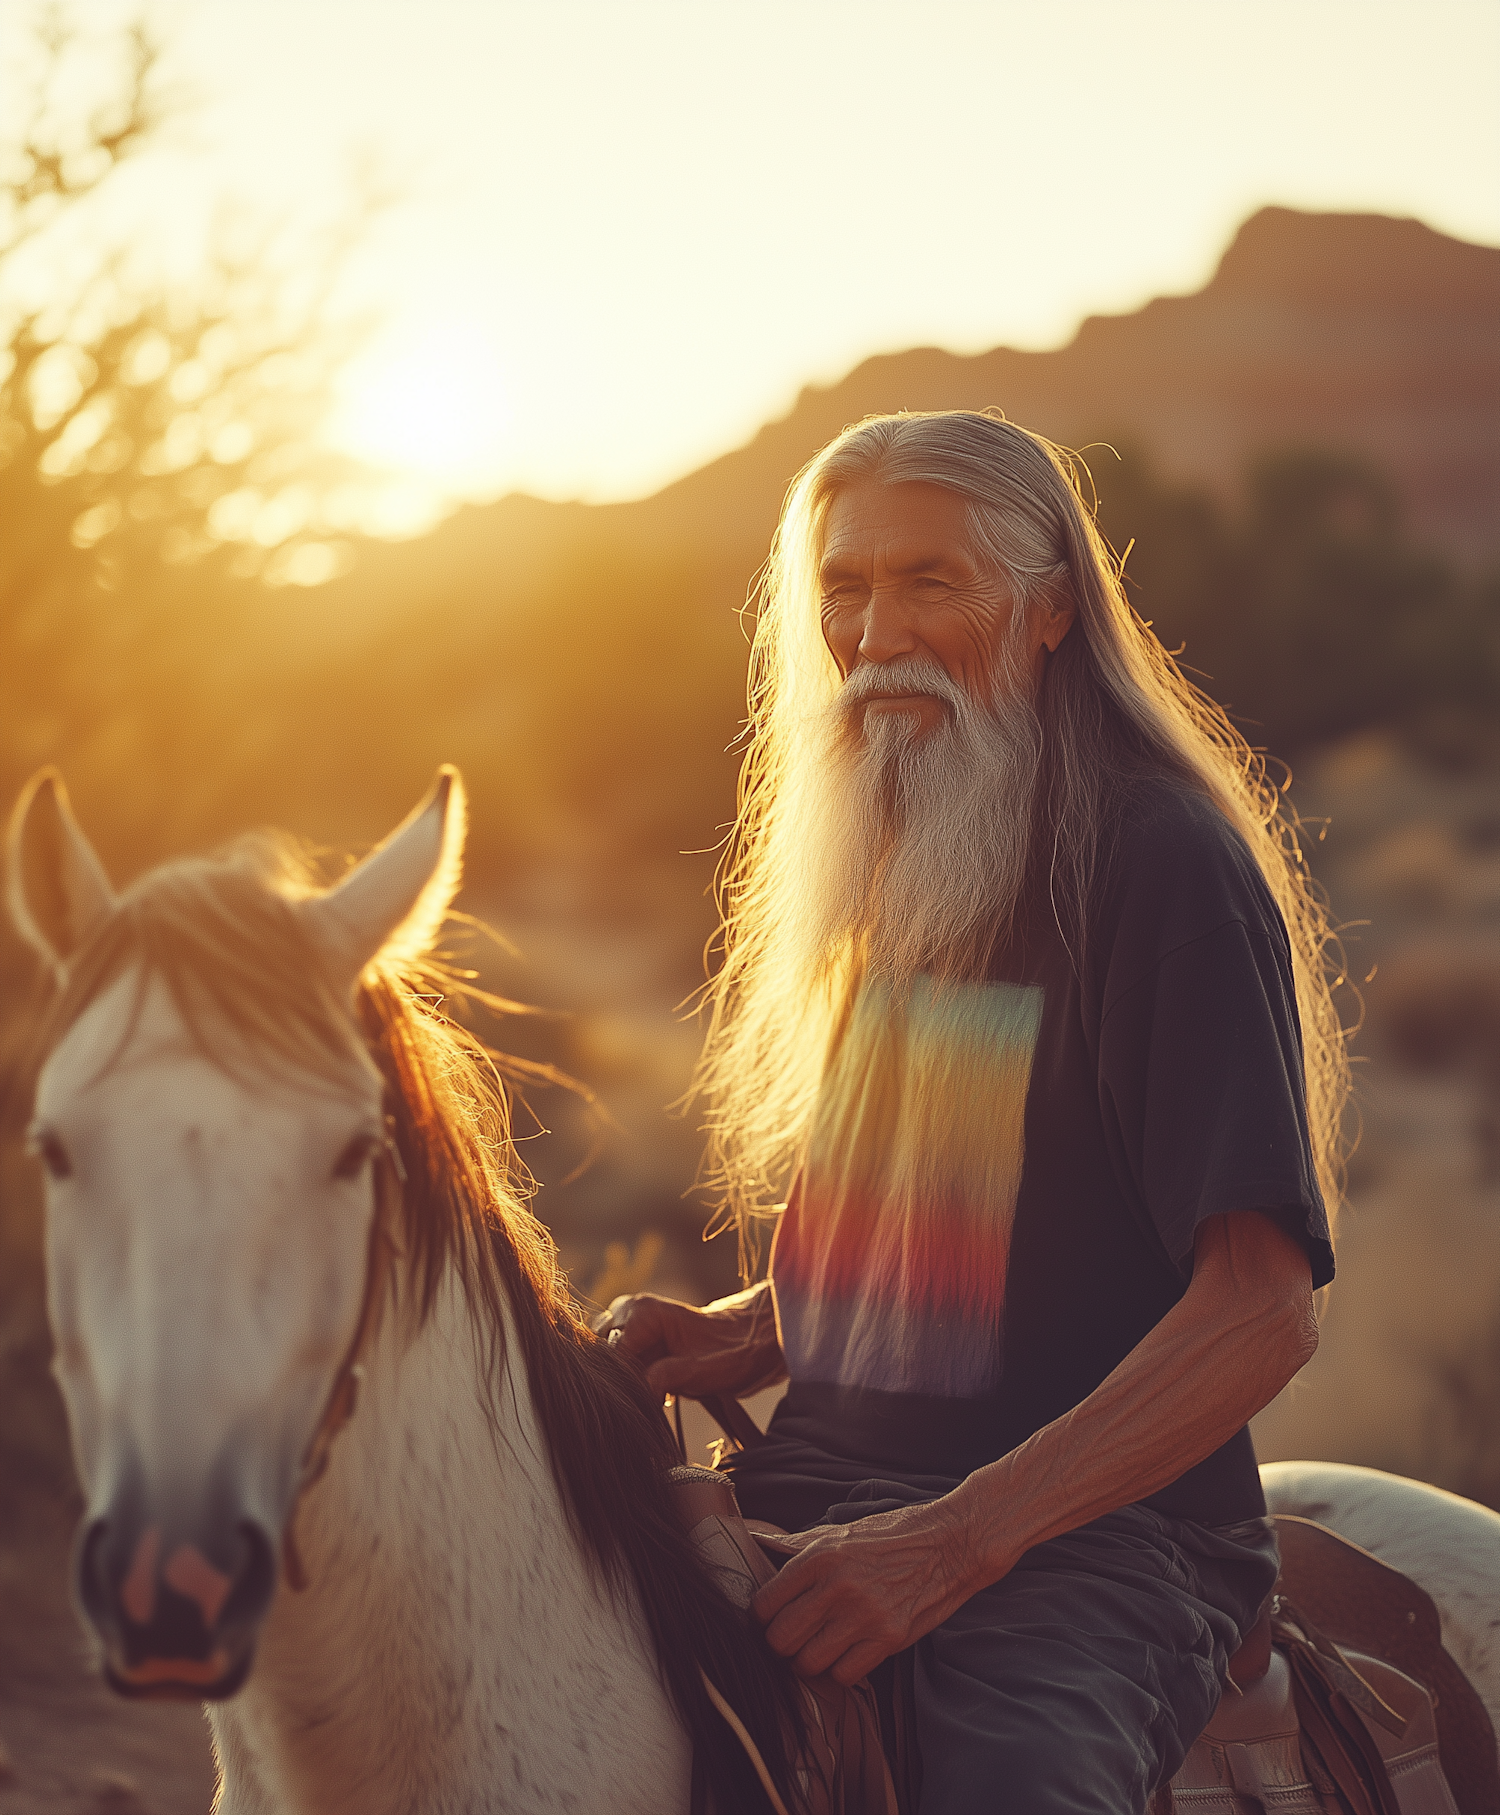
56	886
392	904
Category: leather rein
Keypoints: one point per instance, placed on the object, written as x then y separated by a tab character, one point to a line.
389	1175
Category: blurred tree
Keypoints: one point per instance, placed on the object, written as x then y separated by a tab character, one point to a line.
157	450
145	427
1306	613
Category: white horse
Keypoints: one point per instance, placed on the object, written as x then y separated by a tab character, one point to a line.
277	1174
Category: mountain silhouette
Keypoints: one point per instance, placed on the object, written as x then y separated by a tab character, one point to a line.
1354	333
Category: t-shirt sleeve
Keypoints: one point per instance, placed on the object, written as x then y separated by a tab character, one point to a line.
1200	1060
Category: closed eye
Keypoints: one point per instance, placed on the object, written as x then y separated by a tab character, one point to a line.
355	1156
49	1149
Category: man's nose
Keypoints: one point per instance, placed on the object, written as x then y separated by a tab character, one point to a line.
888	632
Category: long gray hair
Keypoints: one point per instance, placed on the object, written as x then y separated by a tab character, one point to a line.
1113	706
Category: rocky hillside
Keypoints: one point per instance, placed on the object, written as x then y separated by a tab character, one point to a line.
1345	332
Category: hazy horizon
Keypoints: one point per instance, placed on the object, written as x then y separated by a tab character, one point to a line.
595	281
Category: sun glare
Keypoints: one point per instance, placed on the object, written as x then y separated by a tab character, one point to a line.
432	404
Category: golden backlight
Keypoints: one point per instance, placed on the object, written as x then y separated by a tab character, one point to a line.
655	221
430	399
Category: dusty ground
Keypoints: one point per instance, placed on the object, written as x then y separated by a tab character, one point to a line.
71	1746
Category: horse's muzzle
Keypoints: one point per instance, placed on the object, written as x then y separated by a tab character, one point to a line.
178	1611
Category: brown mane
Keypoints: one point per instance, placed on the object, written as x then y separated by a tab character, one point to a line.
227	938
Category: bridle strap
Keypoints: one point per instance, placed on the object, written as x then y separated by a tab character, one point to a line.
343	1395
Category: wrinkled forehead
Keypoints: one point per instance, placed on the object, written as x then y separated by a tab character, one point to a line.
912	524
133	1032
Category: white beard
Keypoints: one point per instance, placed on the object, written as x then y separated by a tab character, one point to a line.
916	846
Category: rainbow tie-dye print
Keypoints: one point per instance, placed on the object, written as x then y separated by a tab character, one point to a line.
890	1262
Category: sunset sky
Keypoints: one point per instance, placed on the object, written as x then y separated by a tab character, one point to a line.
631	229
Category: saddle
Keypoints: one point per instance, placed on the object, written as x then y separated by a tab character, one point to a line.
1341	1701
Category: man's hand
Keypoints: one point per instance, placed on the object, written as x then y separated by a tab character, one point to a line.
727	1347
857	1593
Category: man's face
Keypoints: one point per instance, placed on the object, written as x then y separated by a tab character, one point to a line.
899	581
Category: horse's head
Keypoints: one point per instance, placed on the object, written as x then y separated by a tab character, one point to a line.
212	1126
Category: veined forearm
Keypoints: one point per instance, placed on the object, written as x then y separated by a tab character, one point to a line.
856	1593
1218	1357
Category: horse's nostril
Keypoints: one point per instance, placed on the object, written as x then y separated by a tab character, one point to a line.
91	1573
138	1590
178	1609
190	1574
172	1595
254	1580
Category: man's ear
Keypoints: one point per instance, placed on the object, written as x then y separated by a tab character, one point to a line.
1058	613
56	887
393	903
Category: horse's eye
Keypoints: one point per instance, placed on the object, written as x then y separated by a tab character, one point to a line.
351	1162
50	1151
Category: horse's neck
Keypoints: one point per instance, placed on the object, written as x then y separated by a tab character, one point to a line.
453	1649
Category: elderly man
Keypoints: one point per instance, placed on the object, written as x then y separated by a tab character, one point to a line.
1023	994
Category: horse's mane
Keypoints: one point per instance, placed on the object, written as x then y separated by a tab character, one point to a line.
229	938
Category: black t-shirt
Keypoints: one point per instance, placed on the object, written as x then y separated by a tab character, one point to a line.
1003	1180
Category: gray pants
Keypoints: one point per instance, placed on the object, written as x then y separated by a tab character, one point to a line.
1075	1685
